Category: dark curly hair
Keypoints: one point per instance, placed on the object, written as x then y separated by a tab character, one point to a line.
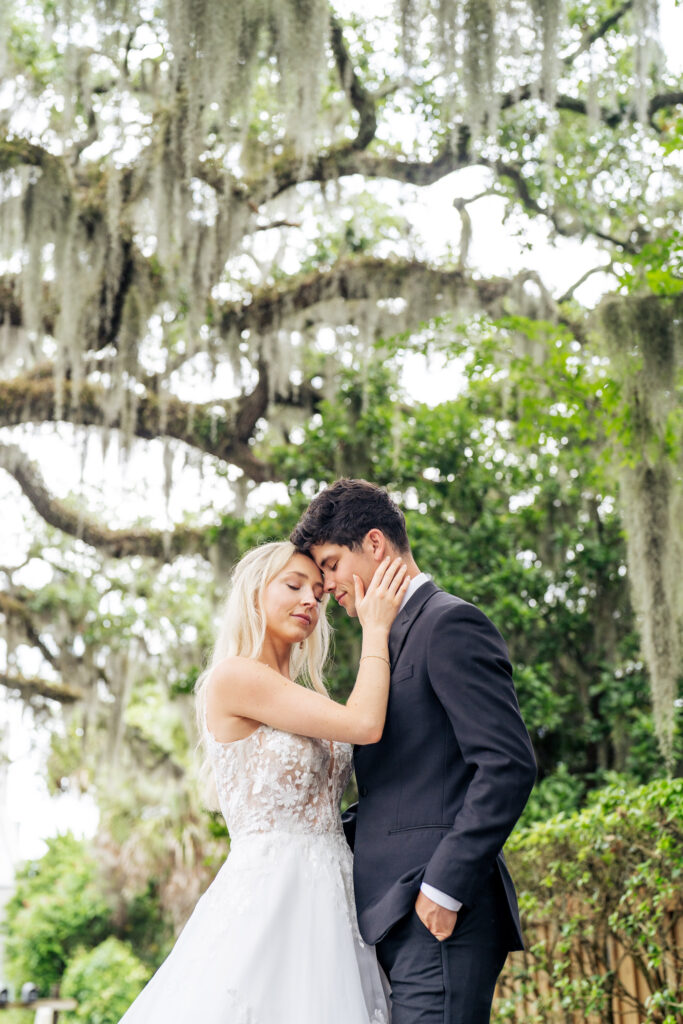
344	512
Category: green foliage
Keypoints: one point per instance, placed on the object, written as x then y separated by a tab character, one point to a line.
558	793
66	904
141	921
657	267
32	50
508	490
611	873
57	906
105	981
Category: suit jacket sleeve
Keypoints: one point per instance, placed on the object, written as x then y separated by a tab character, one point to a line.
471	676
349	824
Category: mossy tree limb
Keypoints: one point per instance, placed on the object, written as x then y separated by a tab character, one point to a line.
645	338
147	543
30	688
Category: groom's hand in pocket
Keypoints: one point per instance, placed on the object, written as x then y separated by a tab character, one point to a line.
439	921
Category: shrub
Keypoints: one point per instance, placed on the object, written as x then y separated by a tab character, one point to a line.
558	792
56	907
104	981
72	899
601	898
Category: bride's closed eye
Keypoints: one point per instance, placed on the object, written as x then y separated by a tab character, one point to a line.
293	587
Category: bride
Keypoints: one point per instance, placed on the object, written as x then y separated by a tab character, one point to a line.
274	939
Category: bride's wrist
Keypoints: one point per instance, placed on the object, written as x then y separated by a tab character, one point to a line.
375	645
376	657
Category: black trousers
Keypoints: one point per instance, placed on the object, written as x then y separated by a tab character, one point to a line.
448	982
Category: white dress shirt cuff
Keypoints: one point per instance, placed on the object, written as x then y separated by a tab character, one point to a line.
442	898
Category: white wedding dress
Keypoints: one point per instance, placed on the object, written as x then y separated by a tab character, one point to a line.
274	939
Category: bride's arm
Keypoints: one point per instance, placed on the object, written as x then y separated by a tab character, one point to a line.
247	689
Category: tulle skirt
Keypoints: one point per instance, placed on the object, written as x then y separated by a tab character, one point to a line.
273	940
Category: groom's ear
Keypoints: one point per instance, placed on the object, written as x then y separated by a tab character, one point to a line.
375	545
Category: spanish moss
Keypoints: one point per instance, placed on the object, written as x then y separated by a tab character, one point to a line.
646	346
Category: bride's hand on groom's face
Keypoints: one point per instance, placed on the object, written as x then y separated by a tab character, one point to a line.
377	606
439	921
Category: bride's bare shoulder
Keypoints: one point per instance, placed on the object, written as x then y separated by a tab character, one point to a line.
236	670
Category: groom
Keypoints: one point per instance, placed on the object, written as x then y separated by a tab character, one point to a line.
441	791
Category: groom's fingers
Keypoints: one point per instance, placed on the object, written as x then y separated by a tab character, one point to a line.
436	919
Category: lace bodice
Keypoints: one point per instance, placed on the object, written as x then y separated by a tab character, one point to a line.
278	781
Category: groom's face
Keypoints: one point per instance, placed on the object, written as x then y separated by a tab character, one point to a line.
338	564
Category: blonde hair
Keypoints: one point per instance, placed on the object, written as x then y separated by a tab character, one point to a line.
242	631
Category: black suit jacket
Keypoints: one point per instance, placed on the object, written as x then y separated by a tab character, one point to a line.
441	791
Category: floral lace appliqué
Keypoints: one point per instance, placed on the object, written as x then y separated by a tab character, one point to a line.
277	781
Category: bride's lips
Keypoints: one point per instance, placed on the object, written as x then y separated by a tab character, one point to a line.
303	618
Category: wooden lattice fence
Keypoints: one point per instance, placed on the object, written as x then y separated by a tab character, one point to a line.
585	975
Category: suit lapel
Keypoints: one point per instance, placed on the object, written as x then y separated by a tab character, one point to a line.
406	617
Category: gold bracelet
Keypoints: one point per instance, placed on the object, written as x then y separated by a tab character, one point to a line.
379	656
